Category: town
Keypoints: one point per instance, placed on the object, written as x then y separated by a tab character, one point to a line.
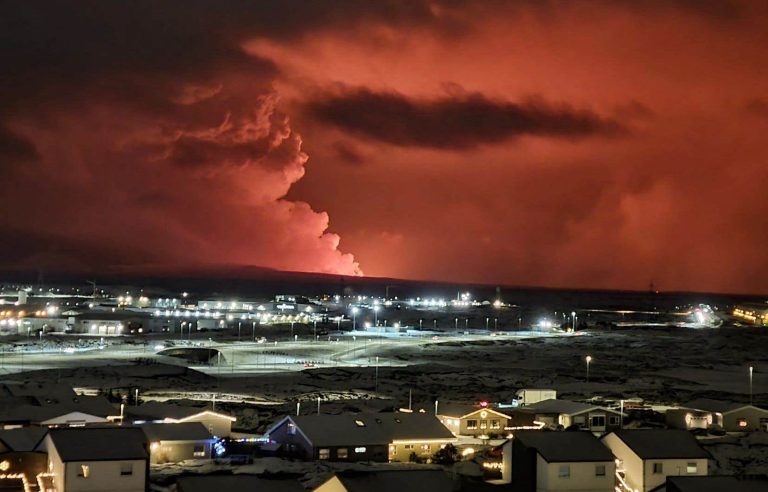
127	390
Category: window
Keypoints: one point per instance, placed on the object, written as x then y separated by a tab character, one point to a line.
126	468
84	471
483	424
742	423
658	468
613	420
691	468
425	448
323	454
199	451
291	429
598	420
495	424
342	453
578	420
471	424
407	446
360	450
599	470
564	471
359	423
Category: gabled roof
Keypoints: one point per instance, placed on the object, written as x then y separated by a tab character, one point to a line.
661	443
24	439
186	431
155	410
369	428
564	407
99	443
565	446
237	482
396	480
717	406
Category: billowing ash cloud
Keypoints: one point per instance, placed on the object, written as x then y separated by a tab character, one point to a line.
137	135
454	122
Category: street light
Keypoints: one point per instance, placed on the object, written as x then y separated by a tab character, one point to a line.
588	359
354	319
376	315
376	379
573	325
750	384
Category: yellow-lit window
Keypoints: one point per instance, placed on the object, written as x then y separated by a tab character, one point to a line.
84	472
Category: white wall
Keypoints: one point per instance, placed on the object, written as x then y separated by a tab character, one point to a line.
582	477
105	477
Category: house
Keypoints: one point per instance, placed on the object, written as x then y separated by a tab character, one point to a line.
171	443
648	456
732	417
52	405
361	437
218	483
20	463
481	420
584	416
218	424
712	484
543	461
387	481
97	459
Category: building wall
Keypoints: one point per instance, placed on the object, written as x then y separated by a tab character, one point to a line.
106	476
752	417
671	468
630	462
55	465
682	418
401	451
582	476
333	484
478	423
175	451
293	445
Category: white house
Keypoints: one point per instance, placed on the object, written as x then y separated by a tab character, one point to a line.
732	417
542	461
170	443
648	456
568	413
90	459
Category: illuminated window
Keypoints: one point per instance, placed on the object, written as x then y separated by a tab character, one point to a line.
360	450
658	468
483	424
564	471
84	471
342	453
292	429
471	424
199	451
742	422
495	424
323	454
359	423
691	468
599	470
425	448
126	468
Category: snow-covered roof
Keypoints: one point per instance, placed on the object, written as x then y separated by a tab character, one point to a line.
99	443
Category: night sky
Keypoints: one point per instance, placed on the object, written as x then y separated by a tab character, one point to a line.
591	144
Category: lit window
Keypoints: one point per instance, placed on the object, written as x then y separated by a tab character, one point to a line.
483	424
360	450
291	429
495	424
425	448
599	470
84	472
199	451
359	423
691	468
471	424
742	423
126	468
658	468
564	471
342	453
324	454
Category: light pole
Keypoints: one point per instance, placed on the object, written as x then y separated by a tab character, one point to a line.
181	330
496	324
750	384
376	379
253	330
354	319
239	326
375	316
588	359
486	323
314	328
456	325
573	323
